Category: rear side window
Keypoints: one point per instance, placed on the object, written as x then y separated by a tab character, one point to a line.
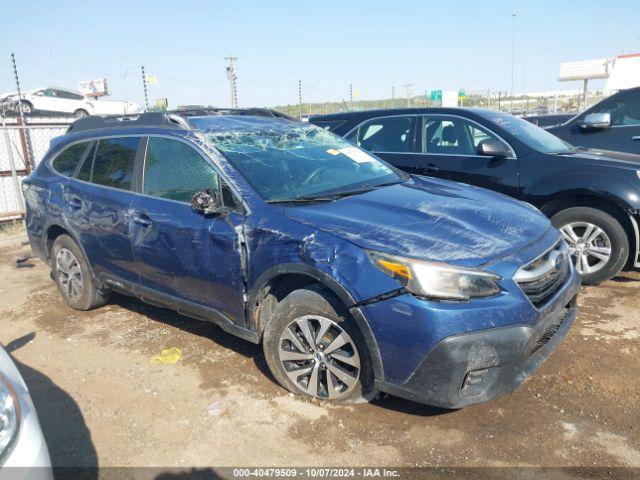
84	173
391	134
175	171
113	163
68	160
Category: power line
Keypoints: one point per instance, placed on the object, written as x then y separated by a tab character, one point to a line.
231	75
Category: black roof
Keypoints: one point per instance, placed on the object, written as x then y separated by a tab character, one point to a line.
398	111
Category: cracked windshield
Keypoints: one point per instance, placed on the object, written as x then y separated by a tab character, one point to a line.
302	163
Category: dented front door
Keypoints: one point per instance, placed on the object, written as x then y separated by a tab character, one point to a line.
186	257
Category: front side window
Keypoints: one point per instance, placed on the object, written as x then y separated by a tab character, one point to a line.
390	134
624	110
176	171
532	136
287	161
330	125
113	163
68	160
452	136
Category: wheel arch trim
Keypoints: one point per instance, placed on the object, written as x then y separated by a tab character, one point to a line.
571	199
334	286
69	232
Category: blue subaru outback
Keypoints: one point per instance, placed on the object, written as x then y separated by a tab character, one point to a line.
355	277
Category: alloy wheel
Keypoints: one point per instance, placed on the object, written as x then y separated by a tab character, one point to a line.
589	246
319	357
70	274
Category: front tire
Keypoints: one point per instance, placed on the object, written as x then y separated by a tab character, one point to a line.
598	243
313	348
80	113
72	275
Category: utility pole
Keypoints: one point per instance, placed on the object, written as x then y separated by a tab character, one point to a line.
513	57
300	96
231	75
393	97
408	86
144	86
351	96
26	141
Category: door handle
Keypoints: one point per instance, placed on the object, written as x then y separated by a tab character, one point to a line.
636	138
142	219
74	202
432	168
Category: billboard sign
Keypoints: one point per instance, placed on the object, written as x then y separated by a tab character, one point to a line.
584	70
94	88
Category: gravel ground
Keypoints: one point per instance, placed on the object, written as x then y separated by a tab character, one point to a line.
102	402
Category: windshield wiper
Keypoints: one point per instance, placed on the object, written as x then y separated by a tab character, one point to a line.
330	197
320	198
565	152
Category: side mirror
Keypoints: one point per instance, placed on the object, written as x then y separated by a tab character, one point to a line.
596	121
207	202
493	148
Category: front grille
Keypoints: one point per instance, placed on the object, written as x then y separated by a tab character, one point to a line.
542	340
544	276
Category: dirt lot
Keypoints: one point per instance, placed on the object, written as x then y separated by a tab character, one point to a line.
102	402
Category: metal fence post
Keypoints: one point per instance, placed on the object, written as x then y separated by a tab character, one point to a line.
14	174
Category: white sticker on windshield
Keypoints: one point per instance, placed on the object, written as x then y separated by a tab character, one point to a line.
357	155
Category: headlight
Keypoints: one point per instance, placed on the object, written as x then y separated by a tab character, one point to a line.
9	416
437	280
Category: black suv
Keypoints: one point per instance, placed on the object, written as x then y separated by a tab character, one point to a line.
592	196
612	124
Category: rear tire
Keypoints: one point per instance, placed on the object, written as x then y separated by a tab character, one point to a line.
27	108
599	244
73	276
80	113
308	363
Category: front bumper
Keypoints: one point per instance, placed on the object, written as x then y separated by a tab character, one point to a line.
29	458
475	367
452	354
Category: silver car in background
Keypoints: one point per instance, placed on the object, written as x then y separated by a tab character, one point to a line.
21	441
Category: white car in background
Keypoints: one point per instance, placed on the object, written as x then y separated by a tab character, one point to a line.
21	441
60	100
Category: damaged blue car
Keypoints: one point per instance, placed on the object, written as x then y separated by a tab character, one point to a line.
355	277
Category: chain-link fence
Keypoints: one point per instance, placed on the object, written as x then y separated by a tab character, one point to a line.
21	149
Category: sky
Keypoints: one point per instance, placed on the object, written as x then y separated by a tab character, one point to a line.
326	44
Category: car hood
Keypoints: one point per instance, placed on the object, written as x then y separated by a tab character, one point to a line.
429	219
608	156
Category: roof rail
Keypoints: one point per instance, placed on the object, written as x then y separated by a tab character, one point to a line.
172	118
198	111
149	119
